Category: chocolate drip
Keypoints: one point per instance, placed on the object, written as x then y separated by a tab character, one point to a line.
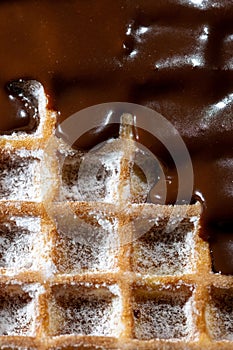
24	99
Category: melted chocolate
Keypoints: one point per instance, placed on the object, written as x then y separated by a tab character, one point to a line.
173	56
23	96
221	244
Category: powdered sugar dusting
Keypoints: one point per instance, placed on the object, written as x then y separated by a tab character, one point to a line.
87	311
22	246
84	245
18	311
162	315
164	253
20	175
100	169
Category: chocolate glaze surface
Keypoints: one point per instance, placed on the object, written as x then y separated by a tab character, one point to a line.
221	243
173	56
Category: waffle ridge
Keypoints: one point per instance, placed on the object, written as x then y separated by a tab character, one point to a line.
120	279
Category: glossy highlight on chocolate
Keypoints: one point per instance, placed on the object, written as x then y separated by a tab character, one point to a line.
175	57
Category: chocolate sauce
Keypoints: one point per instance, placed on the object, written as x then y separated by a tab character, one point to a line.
173	56
221	244
23	96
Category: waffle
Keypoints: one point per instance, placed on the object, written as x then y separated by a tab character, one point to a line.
110	272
